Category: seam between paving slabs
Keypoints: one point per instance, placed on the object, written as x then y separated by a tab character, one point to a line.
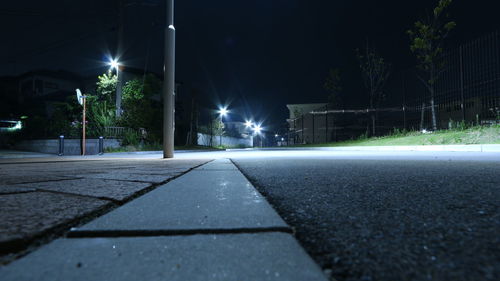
15	249
176	232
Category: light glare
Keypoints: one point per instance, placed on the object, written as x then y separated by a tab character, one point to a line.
223	111
114	64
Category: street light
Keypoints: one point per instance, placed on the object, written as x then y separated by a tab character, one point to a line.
248	124
257	129
223	111
169	84
114	64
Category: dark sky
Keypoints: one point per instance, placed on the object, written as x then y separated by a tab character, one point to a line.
256	55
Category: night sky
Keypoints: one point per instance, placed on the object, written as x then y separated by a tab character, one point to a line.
257	56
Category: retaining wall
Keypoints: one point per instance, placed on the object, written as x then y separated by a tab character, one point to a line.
71	146
204	140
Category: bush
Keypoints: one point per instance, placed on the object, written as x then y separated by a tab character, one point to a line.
131	137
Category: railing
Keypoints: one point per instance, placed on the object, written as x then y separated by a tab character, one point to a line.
115	132
119	132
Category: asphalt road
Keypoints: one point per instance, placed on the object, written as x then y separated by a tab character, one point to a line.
416	216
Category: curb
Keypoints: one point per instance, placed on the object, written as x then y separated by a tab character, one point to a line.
445	148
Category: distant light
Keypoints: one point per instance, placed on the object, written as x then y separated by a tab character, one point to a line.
282	139
24	117
10	125
18	126
276	135
249	124
223	111
114	64
257	129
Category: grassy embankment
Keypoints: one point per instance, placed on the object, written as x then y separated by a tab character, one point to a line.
472	135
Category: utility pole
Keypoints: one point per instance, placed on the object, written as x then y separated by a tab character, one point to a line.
119	47
169	84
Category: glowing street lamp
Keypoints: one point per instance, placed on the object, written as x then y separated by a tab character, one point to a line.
257	129
223	111
113	64
249	124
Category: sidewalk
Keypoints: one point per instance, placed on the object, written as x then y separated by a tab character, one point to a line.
126	219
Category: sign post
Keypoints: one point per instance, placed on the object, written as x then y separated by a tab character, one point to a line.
82	101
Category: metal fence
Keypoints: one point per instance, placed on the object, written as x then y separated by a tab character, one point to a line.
468	90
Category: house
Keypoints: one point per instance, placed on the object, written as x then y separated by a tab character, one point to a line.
49	85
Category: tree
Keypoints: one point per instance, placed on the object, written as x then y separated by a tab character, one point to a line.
140	110
375	71
427	39
101	115
333	86
106	87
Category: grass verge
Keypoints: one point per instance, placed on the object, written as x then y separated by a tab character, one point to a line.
472	135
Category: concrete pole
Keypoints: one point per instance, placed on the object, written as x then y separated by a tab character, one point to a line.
84	144
169	84
118	100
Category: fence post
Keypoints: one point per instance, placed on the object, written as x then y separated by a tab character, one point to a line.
326	123
404	99
462	84
422	116
302	121
313	131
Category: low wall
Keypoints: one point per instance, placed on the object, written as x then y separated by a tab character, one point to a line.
204	140
71	146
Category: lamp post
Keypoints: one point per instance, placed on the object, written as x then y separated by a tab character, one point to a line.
114	64
222	112
169	84
257	129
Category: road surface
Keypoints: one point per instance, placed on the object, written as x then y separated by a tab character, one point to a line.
388	216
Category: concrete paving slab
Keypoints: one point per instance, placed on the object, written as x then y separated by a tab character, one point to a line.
199	200
29	178
269	256
99	188
219	164
9	189
125	176
18	220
